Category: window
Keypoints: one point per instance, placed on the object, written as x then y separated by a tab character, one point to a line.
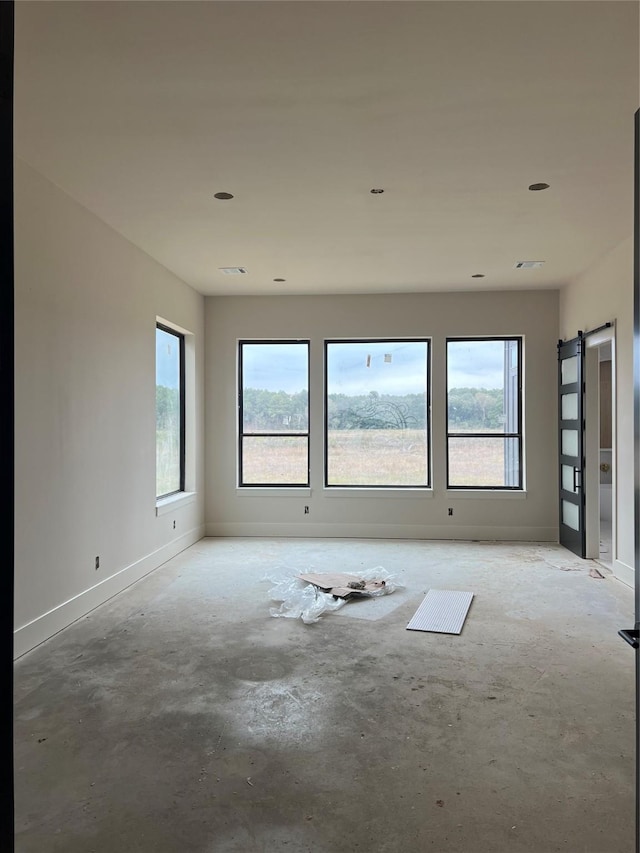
170	407
274	413
484	413
377	413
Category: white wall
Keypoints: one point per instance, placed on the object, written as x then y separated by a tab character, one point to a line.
229	511
86	307
602	294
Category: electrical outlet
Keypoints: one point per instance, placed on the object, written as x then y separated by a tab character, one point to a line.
306	510
97	563
450	511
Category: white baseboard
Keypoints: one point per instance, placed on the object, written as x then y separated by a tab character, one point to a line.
624	573
33	633
384	531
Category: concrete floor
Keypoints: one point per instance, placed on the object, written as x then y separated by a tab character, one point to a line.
181	718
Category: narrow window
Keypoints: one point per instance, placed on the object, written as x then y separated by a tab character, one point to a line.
484	413
274	413
170	420
377	413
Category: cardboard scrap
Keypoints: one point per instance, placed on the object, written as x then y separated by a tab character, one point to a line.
342	586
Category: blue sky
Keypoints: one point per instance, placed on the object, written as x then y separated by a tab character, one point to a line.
167	359
476	364
388	368
275	367
283	367
360	367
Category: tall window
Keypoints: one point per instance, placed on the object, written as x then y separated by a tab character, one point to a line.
484	413
274	413
170	434
377	413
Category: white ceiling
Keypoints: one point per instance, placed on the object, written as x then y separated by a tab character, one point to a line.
143	110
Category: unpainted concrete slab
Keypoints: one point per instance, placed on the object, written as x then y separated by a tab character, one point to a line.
181	718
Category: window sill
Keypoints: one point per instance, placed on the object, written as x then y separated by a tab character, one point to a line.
490	494
380	492
273	492
173	502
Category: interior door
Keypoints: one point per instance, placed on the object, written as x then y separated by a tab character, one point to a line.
571	444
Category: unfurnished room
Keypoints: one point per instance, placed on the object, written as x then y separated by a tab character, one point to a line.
325	462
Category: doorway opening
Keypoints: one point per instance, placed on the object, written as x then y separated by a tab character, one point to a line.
600	396
606	455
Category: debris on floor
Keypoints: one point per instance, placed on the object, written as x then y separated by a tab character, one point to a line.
595	573
309	595
442	611
343	586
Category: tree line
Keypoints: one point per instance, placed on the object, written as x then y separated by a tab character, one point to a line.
279	411
476	408
167	407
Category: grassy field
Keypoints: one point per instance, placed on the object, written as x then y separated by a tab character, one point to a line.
167	462
377	457
374	458
274	459
476	461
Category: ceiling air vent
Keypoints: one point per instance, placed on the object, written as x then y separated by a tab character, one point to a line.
232	270
528	265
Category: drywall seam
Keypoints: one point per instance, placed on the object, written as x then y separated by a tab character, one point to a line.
44	627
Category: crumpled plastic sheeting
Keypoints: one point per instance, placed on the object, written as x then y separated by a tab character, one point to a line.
301	601
307	602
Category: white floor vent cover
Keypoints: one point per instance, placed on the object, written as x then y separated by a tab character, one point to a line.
443	610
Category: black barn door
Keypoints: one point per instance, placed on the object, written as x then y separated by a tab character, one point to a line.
571	444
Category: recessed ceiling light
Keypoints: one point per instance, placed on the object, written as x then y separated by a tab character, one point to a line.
376	191
222	196
232	270
537	187
478	275
528	265
279	279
